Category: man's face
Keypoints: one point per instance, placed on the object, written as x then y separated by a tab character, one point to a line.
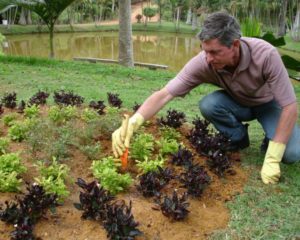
218	55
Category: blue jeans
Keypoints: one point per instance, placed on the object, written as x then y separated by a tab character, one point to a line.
227	116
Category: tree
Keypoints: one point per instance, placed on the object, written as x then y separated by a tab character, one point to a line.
125	34
282	16
49	11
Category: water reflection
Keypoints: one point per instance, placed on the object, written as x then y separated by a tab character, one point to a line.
173	50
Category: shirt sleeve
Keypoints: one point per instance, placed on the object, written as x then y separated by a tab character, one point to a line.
189	77
278	79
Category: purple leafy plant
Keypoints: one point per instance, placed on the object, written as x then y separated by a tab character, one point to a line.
195	180
114	100
173	119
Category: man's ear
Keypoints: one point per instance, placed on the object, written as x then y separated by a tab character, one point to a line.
236	43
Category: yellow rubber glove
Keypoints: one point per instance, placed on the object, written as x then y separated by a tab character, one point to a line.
118	137
121	137
270	172
133	124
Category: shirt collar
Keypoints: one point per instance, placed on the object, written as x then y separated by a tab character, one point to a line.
245	57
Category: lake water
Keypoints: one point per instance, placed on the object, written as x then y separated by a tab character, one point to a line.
170	49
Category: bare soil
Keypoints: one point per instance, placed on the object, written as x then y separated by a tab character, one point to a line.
207	213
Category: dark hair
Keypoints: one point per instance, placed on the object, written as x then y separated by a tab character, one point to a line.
222	26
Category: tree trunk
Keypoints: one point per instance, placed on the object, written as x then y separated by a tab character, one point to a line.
295	33
113	7
51	30
22	20
177	18
194	20
189	17
282	15
125	34
29	20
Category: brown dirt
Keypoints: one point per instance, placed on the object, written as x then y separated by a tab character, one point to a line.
208	213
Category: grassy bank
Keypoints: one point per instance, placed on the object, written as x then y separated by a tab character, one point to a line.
91	27
260	212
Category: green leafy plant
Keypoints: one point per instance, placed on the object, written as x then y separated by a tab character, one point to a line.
58	146
39	137
60	115
91	151
169	133
8	119
142	146
32	111
150	165
18	131
9	182
89	115
53	177
4	142
167	146
106	124
105	170
2	38
251	27
10	168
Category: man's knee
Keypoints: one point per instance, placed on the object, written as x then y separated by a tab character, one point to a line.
208	104
291	156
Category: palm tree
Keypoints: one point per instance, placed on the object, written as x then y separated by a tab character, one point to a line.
125	34
49	11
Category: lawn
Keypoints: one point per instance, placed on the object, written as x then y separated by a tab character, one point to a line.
259	212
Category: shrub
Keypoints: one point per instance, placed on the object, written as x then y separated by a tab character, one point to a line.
142	146
10	168
98	106
91	151
32	111
105	171
138	17
175	207
40	98
167	146
9	100
150	183
18	131
4	142
173	119
169	133
89	115
53	177
150	165
195	179
8	119
114	100
67	98
61	115
94	200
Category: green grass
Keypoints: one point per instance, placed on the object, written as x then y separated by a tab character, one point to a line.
164	27
291	44
260	212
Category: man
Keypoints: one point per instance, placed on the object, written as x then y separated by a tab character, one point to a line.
254	83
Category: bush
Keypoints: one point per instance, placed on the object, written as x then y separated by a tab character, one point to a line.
10	168
53	177
105	170
4	142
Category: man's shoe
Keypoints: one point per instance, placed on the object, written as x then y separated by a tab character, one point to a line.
239	145
264	145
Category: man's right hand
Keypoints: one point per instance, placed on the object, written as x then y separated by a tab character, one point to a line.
121	137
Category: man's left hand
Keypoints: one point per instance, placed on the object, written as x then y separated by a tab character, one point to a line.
270	172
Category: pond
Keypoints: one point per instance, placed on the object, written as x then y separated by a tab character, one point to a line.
170	49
